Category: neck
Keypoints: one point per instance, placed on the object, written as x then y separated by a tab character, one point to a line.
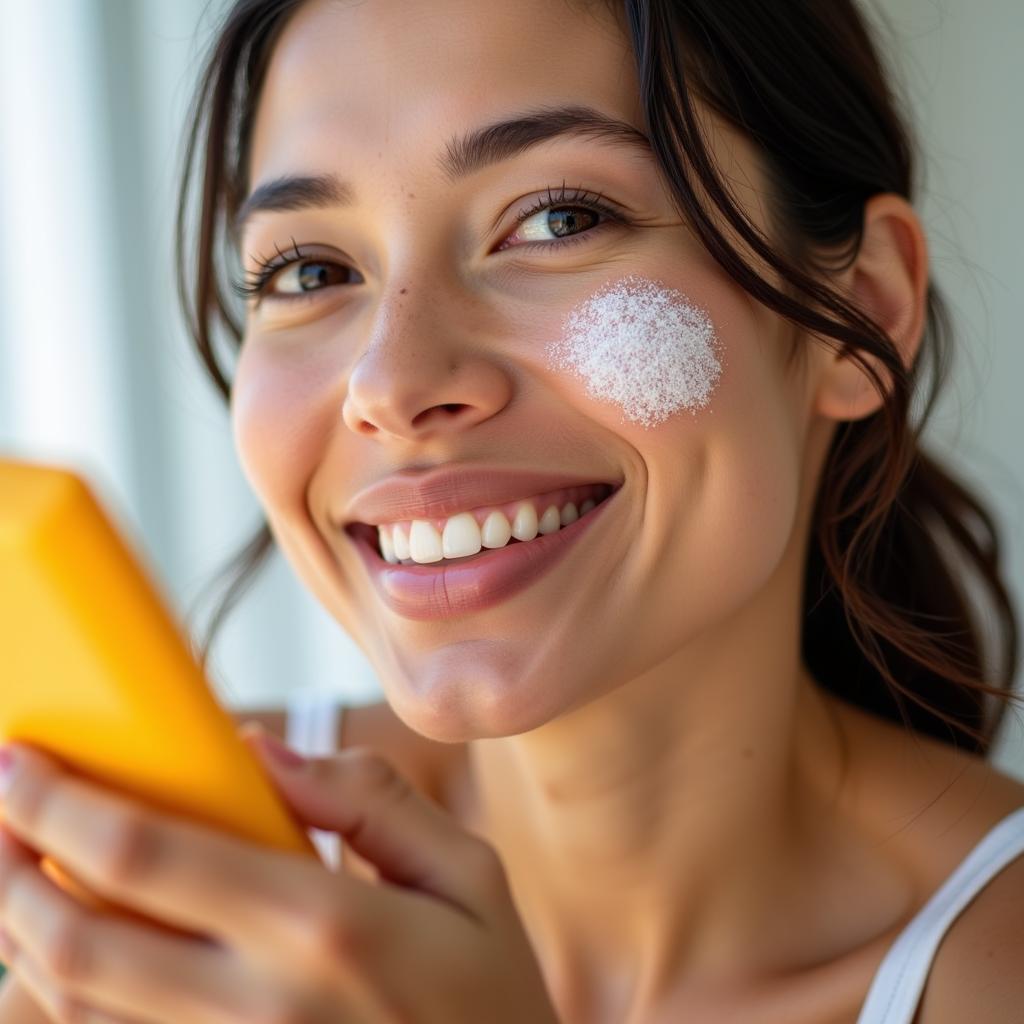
671	825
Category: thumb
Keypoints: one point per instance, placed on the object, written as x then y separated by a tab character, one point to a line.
359	794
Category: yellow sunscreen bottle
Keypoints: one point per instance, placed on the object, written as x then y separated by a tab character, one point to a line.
95	671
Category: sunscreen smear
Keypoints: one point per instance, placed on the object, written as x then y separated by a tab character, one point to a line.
642	346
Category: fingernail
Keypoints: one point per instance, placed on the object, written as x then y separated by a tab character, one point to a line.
283	755
7	761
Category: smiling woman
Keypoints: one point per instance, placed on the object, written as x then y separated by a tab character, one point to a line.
574	350
464	259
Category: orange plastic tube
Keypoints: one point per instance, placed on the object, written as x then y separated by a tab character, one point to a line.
94	670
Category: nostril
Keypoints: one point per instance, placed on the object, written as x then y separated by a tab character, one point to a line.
449	408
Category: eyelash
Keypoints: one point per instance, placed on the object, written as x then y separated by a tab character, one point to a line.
256	282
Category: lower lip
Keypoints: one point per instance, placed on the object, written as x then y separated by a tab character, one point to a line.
427	593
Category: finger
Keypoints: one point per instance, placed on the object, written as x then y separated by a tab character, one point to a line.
196	878
409	838
56	1003
129	969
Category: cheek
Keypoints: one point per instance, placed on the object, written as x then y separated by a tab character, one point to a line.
695	390
641	347
731	483
277	419
751	486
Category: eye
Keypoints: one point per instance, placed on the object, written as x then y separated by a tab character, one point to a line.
293	277
308	276
561	219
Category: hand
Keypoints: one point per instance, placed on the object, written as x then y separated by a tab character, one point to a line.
259	934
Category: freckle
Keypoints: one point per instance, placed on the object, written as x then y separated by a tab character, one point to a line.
412	195
402	291
748	753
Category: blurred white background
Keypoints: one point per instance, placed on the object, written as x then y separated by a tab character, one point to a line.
96	370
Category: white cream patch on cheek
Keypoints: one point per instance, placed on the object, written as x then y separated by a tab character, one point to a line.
642	346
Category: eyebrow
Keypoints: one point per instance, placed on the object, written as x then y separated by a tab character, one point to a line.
462	156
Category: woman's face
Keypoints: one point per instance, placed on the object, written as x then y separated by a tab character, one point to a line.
420	330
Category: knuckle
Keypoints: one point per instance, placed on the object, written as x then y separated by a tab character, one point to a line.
26	803
370	769
333	936
128	851
65	954
14	881
66	1010
485	866
281	1010
281	1002
71	1011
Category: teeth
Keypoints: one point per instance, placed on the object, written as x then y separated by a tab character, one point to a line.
424	542
524	526
550	521
386	547
496	531
420	542
461	536
400	541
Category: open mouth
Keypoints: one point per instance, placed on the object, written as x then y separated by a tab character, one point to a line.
447	588
483	531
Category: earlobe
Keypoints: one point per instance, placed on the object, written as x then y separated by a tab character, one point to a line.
888	281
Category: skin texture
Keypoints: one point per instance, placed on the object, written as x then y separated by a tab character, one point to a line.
690	828
662	778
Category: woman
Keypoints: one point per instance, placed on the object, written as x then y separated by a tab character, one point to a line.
575	371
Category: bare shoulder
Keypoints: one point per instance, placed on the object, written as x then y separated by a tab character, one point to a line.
949	800
425	762
978	971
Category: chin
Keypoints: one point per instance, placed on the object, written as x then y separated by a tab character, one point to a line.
456	705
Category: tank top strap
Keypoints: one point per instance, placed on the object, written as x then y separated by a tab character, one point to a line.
313	727
899	982
313	721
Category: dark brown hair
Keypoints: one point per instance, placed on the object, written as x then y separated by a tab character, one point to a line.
888	623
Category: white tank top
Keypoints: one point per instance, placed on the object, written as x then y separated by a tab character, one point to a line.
314	724
898	983
312	727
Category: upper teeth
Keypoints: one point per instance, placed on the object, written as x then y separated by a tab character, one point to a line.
424	541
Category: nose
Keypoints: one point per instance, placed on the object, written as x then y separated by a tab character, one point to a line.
417	380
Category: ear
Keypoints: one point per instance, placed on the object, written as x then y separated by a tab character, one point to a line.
888	281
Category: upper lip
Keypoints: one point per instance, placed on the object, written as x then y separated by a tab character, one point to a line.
439	493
